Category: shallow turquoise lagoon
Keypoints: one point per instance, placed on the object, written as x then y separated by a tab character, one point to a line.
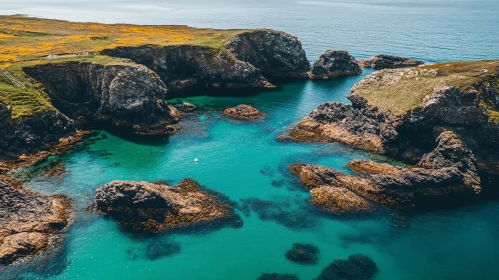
243	161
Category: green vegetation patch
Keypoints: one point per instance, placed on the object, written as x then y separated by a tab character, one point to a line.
402	90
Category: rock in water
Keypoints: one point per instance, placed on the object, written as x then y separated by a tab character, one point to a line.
185	107
339	200
305	254
30	222
385	61
276	276
156	207
333	64
356	267
440	119
244	112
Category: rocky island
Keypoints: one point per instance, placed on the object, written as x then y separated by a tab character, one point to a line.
386	61
441	120
156	207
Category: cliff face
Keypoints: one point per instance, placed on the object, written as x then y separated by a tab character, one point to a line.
402	113
32	133
276	54
126	97
188	68
30	222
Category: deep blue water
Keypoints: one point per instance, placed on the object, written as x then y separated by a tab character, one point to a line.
244	161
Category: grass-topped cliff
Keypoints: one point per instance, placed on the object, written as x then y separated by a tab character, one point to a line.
185	58
27	41
402	90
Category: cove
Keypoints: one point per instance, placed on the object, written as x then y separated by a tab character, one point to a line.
244	162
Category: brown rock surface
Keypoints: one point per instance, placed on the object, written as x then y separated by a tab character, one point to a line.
28	221
156	207
244	112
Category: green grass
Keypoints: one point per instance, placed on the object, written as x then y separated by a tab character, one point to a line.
415	84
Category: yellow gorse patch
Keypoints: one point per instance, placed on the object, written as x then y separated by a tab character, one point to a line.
24	38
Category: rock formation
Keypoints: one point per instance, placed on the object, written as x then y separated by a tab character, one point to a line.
30	222
305	254
276	54
124	97
185	107
156	207
439	118
244	112
276	276
333	64
386	61
356	267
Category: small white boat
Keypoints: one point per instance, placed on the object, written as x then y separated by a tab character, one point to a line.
196	160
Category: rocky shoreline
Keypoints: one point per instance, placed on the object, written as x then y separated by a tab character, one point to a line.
446	137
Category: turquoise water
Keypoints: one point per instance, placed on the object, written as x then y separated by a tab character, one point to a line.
244	161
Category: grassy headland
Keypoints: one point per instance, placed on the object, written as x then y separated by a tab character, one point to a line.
27	41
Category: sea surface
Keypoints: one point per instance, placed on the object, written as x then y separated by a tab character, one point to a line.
244	162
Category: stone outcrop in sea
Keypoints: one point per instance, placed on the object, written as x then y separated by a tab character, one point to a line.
333	64
156	207
386	61
30	222
440	119
244	112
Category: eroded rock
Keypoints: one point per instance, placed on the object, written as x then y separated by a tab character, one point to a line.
244	112
156	207
305	254
333	64
384	61
29	222
356	267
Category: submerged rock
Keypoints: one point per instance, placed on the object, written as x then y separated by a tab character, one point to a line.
156	207
333	64
356	267
162	249
276	276
30	222
244	112
305	254
384	61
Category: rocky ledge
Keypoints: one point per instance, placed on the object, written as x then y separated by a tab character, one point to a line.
156	207
440	119
333	64
244	112
30	222
386	61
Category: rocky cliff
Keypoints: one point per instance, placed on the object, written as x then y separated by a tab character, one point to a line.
333	64
415	114
386	61
30	222
129	97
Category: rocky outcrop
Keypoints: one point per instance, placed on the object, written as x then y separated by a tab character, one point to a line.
386	61
30	222
244	112
304	254
156	207
439	118
185	107
127	98
193	68
333	64
276	54
356	267
33	133
445	176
